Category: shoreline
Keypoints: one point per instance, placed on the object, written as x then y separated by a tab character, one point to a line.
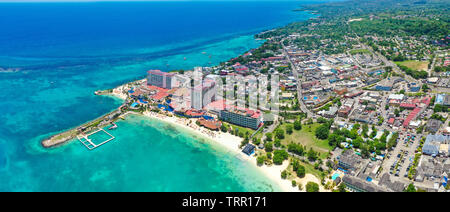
231	143
227	140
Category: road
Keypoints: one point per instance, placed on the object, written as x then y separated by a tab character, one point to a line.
294	70
394	66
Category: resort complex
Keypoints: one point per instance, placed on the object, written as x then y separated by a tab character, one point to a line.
356	100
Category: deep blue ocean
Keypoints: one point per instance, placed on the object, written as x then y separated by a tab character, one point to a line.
53	56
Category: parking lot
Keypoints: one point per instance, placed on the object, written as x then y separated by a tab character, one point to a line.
399	161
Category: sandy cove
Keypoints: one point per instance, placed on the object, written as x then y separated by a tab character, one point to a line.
232	143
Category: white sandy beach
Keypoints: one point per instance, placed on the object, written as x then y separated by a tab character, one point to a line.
119	92
232	143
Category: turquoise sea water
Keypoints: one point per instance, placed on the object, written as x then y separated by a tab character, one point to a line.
57	55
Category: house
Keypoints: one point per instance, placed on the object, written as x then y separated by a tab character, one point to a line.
210	124
395	186
331	113
344	111
409	106
249	149
433	143
348	161
359	185
433	125
399	97
287	95
432	169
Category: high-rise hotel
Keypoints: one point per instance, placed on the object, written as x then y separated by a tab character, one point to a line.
160	79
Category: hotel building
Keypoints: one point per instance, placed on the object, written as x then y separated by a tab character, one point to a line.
203	94
245	118
160	79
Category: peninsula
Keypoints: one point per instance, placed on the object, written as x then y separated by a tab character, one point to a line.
364	99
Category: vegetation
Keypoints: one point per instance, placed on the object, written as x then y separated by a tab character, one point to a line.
415	65
312	187
411	188
279	156
414	73
301	140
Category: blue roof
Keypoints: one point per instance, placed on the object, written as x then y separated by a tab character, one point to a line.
415	89
432	143
249	149
383	88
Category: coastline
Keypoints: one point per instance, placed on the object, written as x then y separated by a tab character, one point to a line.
226	140
231	143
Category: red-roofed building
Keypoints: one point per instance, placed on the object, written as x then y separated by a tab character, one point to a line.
246	118
273	58
391	121
138	93
409	106
426	101
351	95
159	96
217	106
194	113
235	115
210	124
411	116
159	89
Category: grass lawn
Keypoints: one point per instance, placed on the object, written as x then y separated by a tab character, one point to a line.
414	64
359	51
307	138
309	169
242	129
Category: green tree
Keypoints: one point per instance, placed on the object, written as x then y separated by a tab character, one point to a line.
312	187
279	156
279	133
322	132
289	129
341	187
284	174
411	188
297	124
260	160
312	155
268	146
269	136
294	183
301	171
224	128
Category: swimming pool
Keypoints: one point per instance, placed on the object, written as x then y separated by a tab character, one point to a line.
335	175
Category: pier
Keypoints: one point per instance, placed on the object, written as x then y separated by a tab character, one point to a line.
88	143
114	126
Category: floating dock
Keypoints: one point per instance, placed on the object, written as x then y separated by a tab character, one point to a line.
87	142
